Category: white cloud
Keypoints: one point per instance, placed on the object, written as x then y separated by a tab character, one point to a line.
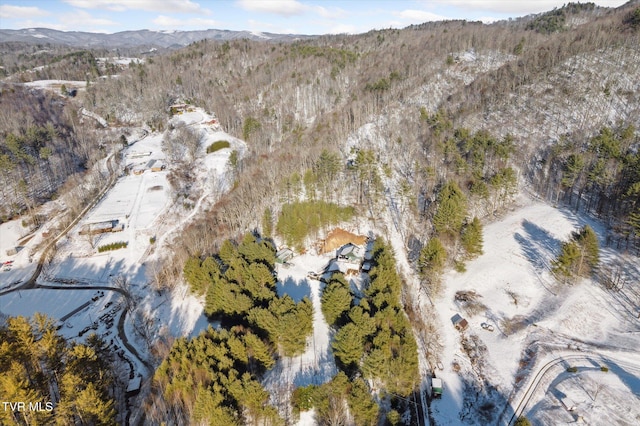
412	16
170	22
82	19
335	13
290	8
20	12
277	7
77	20
173	6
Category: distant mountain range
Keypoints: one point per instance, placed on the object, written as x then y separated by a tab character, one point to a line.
138	38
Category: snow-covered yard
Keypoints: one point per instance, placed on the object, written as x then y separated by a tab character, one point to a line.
316	365
535	320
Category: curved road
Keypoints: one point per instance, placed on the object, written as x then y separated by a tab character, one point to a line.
533	386
121	333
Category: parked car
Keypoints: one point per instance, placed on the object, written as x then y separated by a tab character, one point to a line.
313	275
486	326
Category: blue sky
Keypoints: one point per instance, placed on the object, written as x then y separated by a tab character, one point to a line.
277	16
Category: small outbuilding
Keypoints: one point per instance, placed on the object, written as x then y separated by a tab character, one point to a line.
158	166
101	227
459	323
284	255
436	388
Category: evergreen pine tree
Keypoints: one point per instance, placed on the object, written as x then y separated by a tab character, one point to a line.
433	257
590	250
472	238
522	421
348	346
363	408
336	300
431	262
452	210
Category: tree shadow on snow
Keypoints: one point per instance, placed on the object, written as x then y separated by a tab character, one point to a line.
297	290
541	237
530	251
315	372
537	244
483	403
628	378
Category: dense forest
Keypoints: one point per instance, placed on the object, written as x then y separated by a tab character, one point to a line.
215	377
81	382
427	132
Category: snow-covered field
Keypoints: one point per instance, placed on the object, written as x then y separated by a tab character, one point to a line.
55	85
535	320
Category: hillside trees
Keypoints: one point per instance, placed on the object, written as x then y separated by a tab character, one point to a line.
599	174
451	212
368	181
472	238
373	338
329	401
456	238
224	366
38	146
327	170
431	263
298	220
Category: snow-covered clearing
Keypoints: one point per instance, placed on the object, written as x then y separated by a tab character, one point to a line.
536	320
119	60
316	365
55	85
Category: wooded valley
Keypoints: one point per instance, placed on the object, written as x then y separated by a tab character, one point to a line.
429	132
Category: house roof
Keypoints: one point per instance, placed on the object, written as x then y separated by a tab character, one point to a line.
456	319
284	254
351	251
